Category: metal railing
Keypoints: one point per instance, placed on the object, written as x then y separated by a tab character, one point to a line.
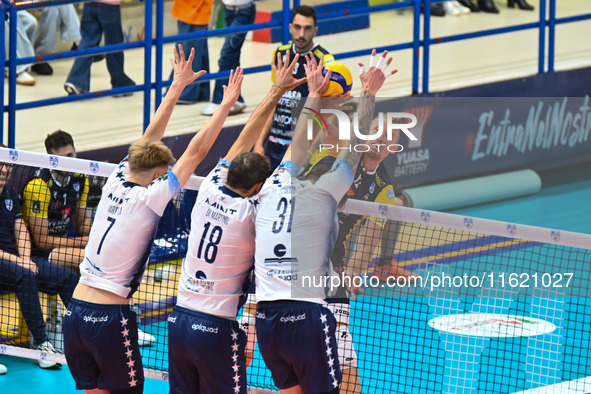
156	83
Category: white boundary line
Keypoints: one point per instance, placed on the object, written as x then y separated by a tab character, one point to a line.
579	386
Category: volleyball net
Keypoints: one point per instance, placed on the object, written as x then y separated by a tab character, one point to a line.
451	304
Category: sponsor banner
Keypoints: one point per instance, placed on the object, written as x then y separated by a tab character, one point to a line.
468	137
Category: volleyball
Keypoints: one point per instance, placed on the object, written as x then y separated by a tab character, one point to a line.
341	80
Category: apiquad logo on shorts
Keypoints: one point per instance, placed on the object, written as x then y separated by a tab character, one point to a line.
13	154
202	328
491	325
94	320
292	318
393	120
54	161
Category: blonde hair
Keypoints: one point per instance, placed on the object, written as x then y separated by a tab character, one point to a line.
145	155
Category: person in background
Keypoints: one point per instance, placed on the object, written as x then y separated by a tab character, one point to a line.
62	17
25	275
99	17
25	29
193	16
236	13
55	201
303	28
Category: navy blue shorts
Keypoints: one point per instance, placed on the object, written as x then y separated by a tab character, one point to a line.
298	343
206	353
101	346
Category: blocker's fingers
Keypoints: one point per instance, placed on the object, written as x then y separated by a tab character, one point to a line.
372	59
361	68
387	75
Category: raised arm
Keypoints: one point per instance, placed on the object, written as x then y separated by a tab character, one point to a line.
298	151
262	115
183	76
202	142
371	82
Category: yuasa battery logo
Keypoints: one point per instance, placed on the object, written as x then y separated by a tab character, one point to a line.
388	123
415	158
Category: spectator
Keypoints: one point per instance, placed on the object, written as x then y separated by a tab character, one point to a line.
62	17
25	29
53	200
24	275
454	7
193	16
489	6
236	13
98	17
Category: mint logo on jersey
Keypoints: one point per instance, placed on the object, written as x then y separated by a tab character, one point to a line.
54	161
13	154
94	167
391	120
8	204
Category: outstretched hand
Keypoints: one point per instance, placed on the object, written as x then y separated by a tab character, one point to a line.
374	77
183	68
317	83
232	91
284	72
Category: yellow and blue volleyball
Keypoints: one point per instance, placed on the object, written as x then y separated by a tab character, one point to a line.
341	80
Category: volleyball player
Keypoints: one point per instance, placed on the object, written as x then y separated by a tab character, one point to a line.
295	231
277	136
206	345
371	183
100	330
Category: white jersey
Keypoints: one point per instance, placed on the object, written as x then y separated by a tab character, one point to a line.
220	256
296	228
123	230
